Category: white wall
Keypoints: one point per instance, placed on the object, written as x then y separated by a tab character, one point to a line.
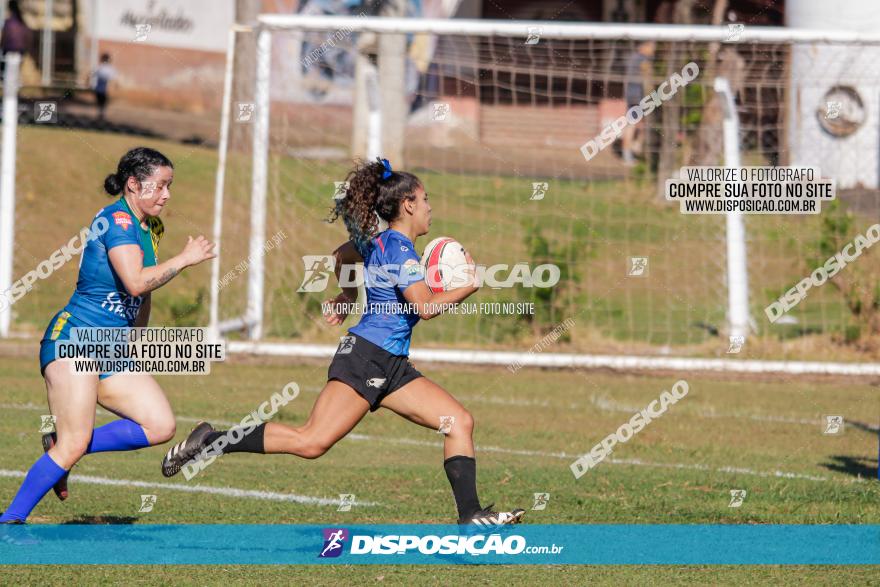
185	24
855	159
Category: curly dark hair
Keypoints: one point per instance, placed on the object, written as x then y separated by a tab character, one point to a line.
368	195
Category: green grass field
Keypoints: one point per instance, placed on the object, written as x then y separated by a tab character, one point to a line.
761	436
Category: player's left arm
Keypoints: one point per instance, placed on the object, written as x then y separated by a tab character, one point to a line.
143	317
345	254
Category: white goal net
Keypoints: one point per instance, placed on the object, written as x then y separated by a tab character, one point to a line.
494	118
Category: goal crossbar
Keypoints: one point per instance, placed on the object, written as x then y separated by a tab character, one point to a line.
557	30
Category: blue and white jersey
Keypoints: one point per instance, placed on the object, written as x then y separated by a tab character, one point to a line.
100	298
391	266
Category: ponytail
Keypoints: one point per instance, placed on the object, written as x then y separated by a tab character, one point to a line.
113	185
374	191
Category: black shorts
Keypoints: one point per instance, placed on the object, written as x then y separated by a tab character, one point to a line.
372	371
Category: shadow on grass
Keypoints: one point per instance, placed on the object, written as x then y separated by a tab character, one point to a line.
102	520
855	466
863	426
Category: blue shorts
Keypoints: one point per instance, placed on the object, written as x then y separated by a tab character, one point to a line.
59	329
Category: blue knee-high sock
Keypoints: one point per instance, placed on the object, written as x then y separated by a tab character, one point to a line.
43	475
118	435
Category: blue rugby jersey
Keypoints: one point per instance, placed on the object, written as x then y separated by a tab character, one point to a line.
100	298
391	266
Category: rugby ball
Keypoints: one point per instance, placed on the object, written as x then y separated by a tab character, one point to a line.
445	264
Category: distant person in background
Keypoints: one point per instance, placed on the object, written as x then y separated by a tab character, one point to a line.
101	82
638	73
16	36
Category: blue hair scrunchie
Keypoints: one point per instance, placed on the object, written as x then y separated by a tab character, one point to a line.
387	173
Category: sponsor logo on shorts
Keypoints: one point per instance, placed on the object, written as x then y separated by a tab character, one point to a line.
122	219
346	343
333	539
376	382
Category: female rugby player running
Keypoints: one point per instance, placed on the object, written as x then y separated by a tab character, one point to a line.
370	368
117	272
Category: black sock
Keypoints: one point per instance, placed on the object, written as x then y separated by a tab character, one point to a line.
462	474
252	442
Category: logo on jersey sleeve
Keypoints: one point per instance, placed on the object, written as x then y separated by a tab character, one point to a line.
122	219
413	267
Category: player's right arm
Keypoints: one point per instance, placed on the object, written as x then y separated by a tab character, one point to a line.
430	304
127	261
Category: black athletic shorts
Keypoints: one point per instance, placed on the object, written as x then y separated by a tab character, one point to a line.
371	370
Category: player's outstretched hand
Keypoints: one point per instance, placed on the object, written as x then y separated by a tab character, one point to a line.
197	250
336	309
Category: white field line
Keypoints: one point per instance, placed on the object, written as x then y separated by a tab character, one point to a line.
606	404
566	360
601	402
224	491
100	412
609	405
568	456
522	452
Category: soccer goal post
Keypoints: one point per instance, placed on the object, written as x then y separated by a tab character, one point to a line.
12	67
493	117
